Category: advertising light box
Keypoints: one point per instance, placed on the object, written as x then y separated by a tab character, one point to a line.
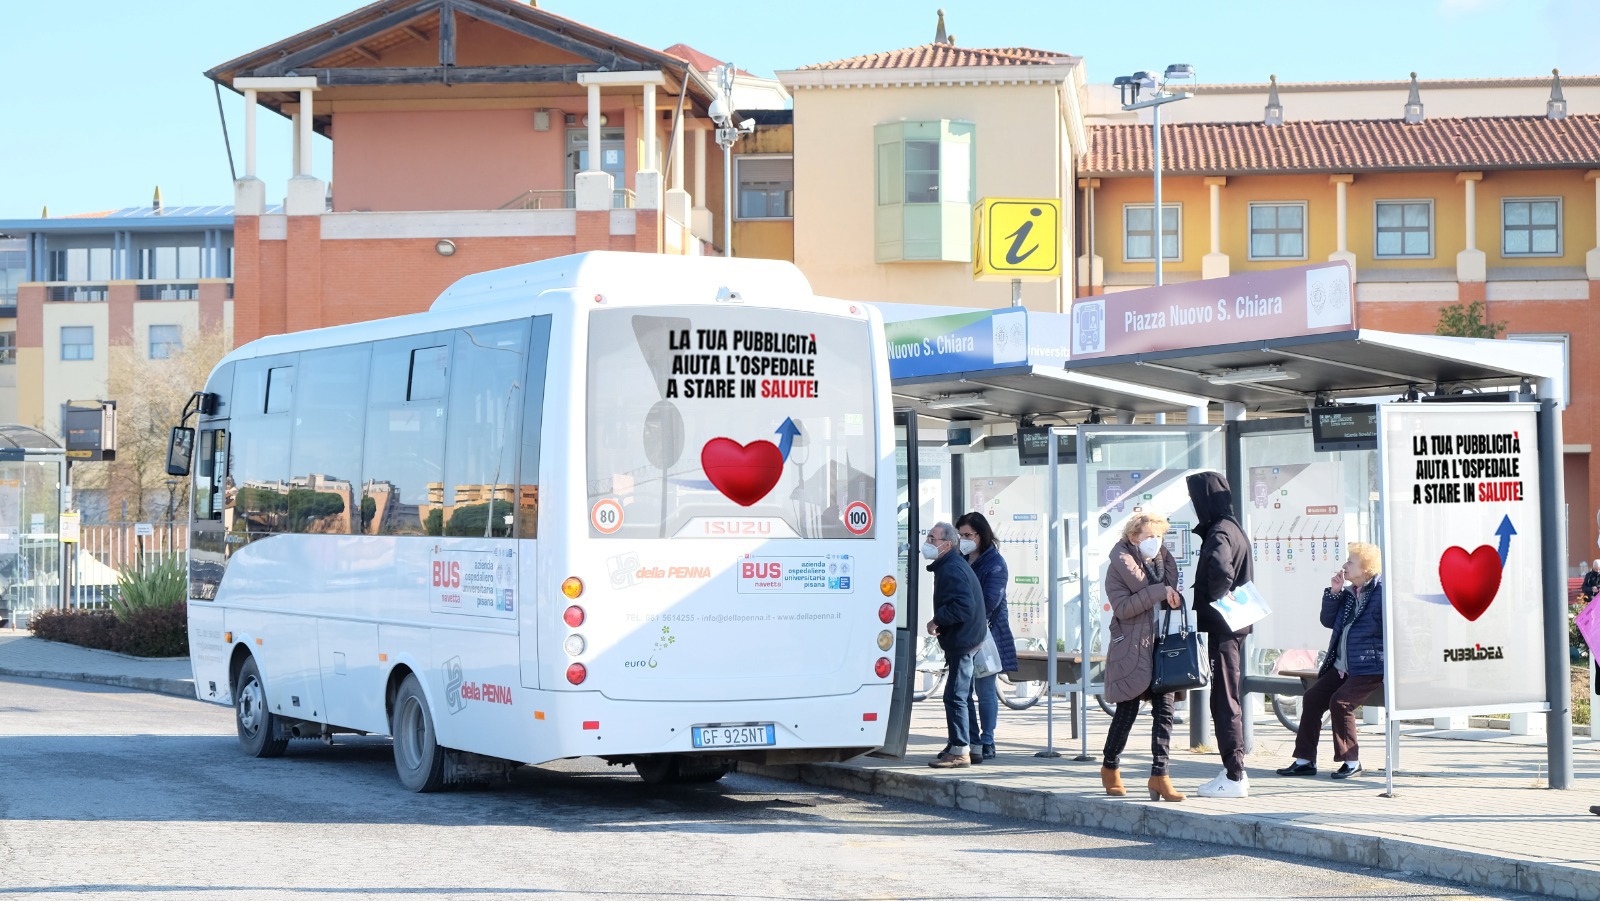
1462	572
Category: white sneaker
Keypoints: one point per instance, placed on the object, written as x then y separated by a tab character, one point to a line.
1223	787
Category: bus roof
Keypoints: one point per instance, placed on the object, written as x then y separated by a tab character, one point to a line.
613	274
607	272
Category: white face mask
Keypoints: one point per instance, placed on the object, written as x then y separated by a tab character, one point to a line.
1150	547
929	551
968	545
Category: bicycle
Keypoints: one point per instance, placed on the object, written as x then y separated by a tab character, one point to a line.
931	671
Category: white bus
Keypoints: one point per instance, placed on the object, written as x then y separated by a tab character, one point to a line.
613	505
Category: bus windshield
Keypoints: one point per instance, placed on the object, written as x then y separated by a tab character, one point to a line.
730	422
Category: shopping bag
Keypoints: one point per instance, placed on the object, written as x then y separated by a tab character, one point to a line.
1243	607
1180	660
986	659
1589	625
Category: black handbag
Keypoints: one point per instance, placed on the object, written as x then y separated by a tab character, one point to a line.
1180	663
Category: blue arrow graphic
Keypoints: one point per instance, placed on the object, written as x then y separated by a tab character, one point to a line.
1505	532
786	435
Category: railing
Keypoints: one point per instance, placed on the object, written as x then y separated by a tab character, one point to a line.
187	291
8	356
120	547
621	199
77	293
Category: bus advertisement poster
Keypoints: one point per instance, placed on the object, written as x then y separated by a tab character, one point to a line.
473	582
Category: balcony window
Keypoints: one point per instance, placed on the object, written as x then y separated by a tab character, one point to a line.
77	342
766	186
1277	231
78	264
925	174
166	341
1404	228
1531	227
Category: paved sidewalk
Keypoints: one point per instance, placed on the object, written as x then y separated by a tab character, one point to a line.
23	655
1470	805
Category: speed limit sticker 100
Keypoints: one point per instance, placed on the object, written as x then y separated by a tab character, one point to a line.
858	518
606	516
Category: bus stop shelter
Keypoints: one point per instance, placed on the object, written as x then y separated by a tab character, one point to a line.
1269	375
33	469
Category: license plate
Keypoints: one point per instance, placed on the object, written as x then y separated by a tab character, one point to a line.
749	735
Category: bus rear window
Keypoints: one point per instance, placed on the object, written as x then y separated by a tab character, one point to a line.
713	422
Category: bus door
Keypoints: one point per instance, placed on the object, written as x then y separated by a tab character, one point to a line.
208	553
906	635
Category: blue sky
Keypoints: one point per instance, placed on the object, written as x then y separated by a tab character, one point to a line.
104	99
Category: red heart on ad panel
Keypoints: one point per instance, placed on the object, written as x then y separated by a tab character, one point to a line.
1470	581
743	472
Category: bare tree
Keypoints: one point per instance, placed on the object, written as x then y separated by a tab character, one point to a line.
150	396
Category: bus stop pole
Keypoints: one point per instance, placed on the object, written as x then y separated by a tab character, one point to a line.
1200	698
1557	665
1052	597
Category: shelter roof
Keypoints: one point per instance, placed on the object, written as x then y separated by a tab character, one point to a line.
26	437
1356	363
1370	145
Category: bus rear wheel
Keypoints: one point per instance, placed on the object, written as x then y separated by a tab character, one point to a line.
673	769
418	759
258	728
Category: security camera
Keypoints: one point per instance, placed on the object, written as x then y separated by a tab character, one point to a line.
719	110
747	125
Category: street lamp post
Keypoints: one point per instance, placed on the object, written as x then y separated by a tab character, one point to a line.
1130	86
728	132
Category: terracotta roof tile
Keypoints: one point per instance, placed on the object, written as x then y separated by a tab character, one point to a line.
1229	148
938	56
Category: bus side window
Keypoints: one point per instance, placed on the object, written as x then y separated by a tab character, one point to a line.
258	459
325	455
209	465
485	412
402	463
532	425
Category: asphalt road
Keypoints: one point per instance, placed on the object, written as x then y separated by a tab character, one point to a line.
115	794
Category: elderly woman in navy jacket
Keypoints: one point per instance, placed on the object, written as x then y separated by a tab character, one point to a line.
977	542
1352	606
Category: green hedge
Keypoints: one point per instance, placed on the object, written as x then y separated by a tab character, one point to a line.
144	632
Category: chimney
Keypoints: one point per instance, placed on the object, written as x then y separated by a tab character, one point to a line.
1274	108
155	202
1556	106
1414	104
938	33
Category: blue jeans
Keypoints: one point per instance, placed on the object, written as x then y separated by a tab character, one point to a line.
981	716
957	696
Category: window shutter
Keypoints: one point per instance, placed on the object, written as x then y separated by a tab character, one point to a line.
889	221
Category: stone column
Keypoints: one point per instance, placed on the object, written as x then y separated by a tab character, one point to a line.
592	186
307	195
249	193
1591	260
1215	263
677	200
1471	263
1091	266
1341	185
647	181
700	216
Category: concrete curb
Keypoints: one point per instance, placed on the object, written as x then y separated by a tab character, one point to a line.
178	688
1134	817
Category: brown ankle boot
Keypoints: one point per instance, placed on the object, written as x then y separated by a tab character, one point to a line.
1161	787
1112	780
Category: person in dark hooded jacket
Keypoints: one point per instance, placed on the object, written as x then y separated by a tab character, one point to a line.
1224	565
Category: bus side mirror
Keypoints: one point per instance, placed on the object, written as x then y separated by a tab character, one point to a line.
180	451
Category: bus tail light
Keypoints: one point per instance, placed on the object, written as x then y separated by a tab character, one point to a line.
572	587
886	614
885	640
882	667
887	585
573	616
574	645
577	672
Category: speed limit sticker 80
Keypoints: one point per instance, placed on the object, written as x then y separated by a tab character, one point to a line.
858	518
606	516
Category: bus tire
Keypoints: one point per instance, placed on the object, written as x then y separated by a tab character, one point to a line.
657	769
418	759
259	733
703	771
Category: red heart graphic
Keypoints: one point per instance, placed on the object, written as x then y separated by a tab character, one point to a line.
1470	581
743	472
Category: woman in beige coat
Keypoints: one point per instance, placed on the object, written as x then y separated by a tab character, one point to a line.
1142	578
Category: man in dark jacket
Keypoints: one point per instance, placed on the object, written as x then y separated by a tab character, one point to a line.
1224	565
958	620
